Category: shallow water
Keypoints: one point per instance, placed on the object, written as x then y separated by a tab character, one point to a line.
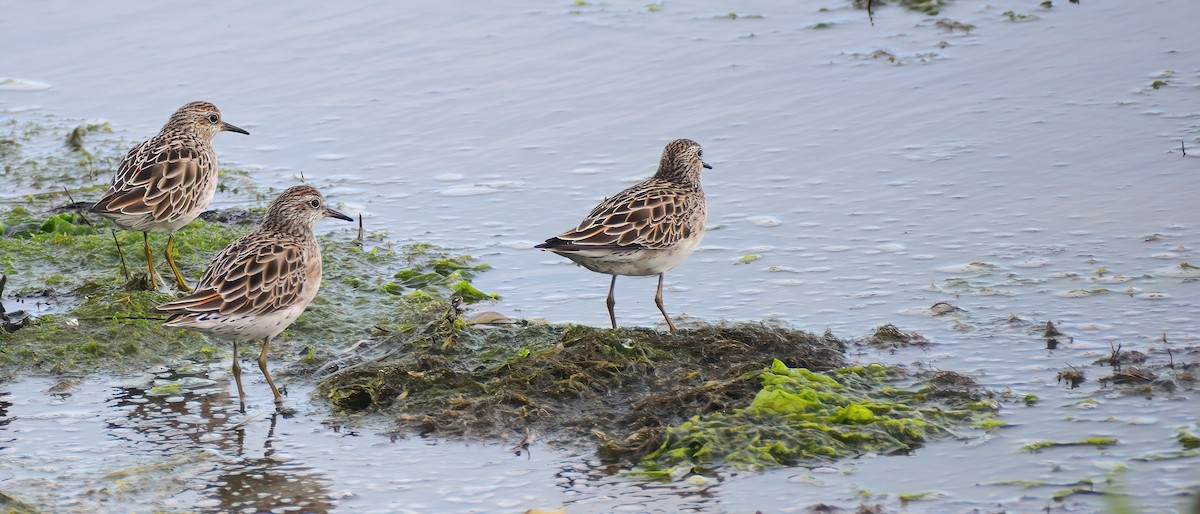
871	189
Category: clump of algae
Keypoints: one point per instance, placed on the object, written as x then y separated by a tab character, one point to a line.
800	416
11	505
500	380
1038	446
746	395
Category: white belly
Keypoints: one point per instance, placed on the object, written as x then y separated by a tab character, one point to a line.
635	262
147	222
248	328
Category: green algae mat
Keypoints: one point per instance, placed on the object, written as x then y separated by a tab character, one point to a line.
741	395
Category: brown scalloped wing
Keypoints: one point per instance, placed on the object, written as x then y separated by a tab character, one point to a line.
651	214
158	181
250	276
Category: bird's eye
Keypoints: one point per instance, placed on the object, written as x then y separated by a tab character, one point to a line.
213	118
699	153
314	203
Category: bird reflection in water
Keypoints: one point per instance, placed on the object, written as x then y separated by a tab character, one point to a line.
206	445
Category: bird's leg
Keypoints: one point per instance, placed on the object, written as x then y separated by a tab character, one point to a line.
658	302
145	240
262	364
237	374
175	269
120	254
149	260
612	316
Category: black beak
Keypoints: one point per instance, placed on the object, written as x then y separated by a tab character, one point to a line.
335	214
706	165
231	128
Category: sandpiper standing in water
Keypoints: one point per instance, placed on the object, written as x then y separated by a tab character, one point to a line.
259	284
166	182
645	230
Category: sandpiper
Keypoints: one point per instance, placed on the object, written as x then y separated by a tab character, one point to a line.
260	283
645	230
166	182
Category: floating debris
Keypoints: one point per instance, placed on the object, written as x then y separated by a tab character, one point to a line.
1051	334
1038	446
1183	270
1073	377
943	308
891	336
949	25
748	258
1081	293
10	321
15	84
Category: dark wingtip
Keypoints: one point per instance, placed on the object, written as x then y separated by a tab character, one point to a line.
553	242
562	245
166	308
98	207
172	317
